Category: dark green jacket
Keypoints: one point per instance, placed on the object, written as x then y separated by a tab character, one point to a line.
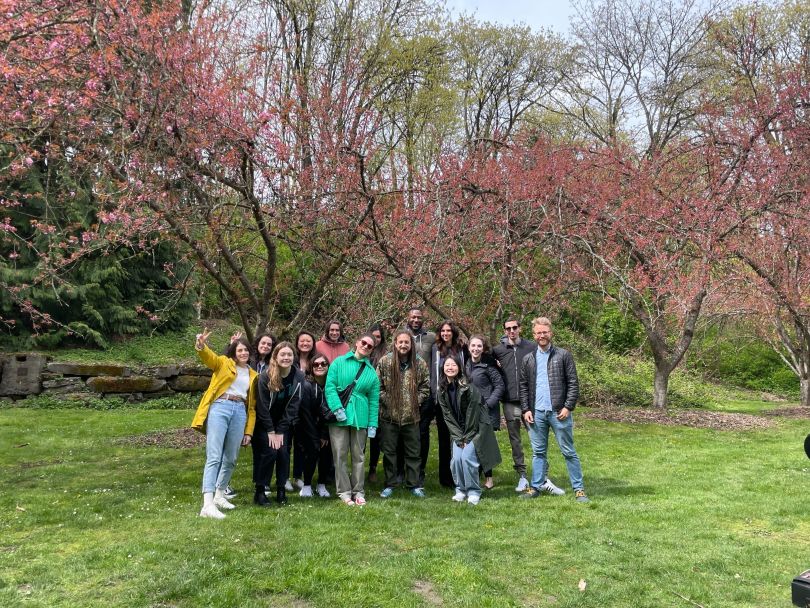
477	427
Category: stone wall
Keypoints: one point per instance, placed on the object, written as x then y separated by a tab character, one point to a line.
23	374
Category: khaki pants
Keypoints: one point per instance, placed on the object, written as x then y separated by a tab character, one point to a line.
345	439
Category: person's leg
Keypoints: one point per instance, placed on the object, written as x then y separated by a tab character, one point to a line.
216	429
456	466
262	465
339	438
388	444
538	435
514	420
310	445
374	448
357	439
233	440
469	467
409	440
445	453
426	417
564	433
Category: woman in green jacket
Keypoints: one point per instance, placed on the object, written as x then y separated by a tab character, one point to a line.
474	443
356	416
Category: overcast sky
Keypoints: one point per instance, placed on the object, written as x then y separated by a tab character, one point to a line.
552	14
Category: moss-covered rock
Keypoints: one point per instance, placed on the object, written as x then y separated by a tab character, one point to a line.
130	384
88	369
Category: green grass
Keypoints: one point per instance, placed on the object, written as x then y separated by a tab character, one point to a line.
719	518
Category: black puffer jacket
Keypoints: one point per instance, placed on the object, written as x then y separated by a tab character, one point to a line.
487	379
562	380
509	357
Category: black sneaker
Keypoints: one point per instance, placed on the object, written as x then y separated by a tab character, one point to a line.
230	494
260	498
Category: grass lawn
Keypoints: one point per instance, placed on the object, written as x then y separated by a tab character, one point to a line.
679	517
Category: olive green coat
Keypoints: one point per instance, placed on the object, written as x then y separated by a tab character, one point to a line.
477	427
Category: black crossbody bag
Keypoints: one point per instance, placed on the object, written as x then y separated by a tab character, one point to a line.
344	396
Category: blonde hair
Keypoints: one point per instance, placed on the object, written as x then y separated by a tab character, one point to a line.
541	321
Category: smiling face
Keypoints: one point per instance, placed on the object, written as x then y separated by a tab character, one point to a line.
450	369
364	346
319	367
542	335
334	332
446	333
265	345
402	344
512	329
377	336
284	358
305	343
242	354
476	348
415	319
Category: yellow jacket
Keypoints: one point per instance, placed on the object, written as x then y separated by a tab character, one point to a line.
224	369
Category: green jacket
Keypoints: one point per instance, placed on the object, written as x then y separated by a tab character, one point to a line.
363	406
477	427
408	413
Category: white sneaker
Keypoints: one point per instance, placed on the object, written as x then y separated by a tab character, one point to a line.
212	512
222	503
288	486
459	496
551	488
299	483
473	499
523	485
322	491
306	492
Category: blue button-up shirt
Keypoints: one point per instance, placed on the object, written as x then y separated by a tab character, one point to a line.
542	391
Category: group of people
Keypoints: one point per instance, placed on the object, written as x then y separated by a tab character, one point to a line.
322	401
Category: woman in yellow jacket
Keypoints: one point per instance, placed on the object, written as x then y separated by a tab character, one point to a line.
226	414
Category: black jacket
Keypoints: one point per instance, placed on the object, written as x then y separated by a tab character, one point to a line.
487	378
509	358
275	415
310	415
562	380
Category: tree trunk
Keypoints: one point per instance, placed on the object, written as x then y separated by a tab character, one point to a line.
804	383
660	386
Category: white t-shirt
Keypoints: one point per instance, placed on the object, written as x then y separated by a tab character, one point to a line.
241	383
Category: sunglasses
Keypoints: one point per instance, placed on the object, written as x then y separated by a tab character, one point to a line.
366	344
320	364
512	328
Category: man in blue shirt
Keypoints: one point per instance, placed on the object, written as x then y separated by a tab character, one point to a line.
549	389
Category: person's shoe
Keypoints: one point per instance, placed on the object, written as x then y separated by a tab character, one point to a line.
348	502
306	492
230	493
372	475
489	483
359	500
322	491
473	499
386	493
260	498
281	496
299	483
550	488
580	496
419	492
288	486
459	496
221	502
211	512
523	485
531	493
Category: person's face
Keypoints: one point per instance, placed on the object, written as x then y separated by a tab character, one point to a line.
364	346
446	334
403	344
285	357
542	335
450	369
476	348
334	332
377	336
415	319
512	330
242	354
265	345
319	367
304	344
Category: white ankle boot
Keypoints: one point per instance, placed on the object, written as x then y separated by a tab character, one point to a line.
209	509
220	501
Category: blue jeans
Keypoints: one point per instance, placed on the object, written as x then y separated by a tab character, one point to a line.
225	428
464	465
564	433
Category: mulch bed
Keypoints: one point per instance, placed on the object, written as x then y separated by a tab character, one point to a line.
692	418
178	439
797	411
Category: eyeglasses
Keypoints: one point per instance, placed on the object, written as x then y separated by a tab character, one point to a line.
320	364
512	328
366	344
